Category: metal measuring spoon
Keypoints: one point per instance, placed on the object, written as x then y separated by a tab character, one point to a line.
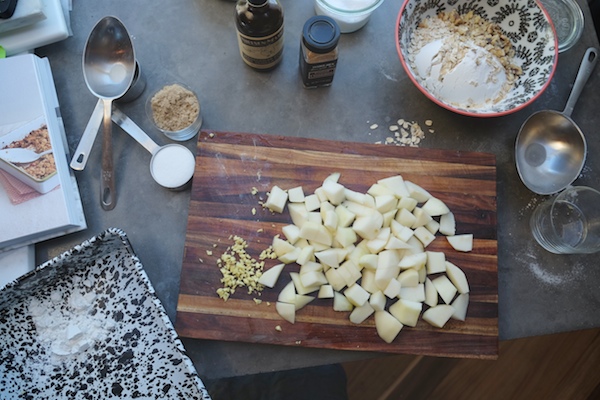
108	69
21	156
84	148
550	149
86	142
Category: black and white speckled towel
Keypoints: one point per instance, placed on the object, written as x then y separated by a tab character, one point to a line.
88	325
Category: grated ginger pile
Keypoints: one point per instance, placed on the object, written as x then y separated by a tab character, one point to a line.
239	269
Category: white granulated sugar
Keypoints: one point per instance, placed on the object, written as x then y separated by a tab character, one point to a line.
65	323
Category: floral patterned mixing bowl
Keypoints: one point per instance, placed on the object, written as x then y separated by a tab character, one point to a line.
524	22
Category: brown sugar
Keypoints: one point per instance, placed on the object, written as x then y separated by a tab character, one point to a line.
174	108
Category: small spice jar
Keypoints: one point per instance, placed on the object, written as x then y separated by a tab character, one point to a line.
318	51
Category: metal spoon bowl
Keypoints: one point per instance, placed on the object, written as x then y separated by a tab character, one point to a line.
550	149
108	69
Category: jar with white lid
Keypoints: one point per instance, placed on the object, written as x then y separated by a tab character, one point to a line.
351	15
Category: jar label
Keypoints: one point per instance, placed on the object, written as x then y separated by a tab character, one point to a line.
318	74
261	53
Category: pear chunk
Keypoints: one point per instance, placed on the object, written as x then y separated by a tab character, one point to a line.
269	278
462	242
438	315
387	326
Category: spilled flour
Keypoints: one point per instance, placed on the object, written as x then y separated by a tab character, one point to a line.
528	209
551	276
68	326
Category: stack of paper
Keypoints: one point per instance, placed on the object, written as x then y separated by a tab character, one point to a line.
35	23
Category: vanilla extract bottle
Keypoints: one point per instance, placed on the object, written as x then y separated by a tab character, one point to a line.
260	32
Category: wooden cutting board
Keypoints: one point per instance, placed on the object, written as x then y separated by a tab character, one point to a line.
230	165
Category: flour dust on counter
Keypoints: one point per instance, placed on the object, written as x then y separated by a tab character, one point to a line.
550	276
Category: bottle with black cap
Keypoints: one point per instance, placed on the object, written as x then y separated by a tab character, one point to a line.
318	51
260	32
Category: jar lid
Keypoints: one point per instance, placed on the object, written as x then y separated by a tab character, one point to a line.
321	34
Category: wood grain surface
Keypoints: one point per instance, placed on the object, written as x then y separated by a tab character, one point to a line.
230	165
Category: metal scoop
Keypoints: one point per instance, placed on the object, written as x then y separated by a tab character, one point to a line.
21	156
171	166
108	69
550	149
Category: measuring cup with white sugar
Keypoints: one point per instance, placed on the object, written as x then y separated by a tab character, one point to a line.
172	165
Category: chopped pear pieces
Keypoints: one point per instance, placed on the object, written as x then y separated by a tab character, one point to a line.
360	314
287	311
296	194
445	288
435	207
447	224
461	242
369	253
325	292
276	199
341	302
438	315
288	294
406	311
460	305
388	327
269	277
357	295
458	277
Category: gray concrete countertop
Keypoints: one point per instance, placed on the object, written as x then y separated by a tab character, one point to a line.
194	42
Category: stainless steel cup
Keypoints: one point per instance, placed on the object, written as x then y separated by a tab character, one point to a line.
137	86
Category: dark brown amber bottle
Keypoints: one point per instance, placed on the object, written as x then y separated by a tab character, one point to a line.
260	32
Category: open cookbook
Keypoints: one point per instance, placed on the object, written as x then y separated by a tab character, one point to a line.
40	199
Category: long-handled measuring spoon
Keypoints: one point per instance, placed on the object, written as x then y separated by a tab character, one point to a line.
86	142
88	137
550	149
108	69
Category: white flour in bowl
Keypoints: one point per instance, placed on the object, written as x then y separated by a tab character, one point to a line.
463	60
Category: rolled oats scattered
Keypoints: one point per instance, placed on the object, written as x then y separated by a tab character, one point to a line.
405	133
